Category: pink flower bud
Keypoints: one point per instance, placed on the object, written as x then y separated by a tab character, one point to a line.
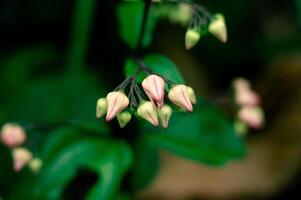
153	86
147	111
179	95
21	157
252	116
241	84
12	135
117	101
247	98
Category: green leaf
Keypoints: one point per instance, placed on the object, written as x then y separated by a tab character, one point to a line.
109	159
146	164
130	17
204	135
159	64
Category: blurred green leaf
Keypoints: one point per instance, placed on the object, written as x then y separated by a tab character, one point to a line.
109	159
146	164
159	64
204	135
130	17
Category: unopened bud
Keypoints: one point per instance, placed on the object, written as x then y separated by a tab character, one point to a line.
124	118
21	157
191	38
252	116
191	95
154	86
117	101
164	115
179	95
35	165
147	111
101	108
12	135
240	128
218	28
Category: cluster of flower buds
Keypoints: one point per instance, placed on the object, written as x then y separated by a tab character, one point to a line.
250	113
13	136
154	110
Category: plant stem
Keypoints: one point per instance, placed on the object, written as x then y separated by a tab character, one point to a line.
80	30
147	5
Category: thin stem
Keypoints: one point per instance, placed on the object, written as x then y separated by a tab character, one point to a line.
80	31
147	5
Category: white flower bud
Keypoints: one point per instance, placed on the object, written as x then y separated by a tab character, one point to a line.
179	95
147	111
154	86
12	135
191	38
218	28
117	101
101	108
21	157
191	95
164	115
252	116
124	118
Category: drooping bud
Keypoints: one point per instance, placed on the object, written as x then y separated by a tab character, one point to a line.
252	116
147	111
191	38
35	165
164	115
191	95
21	157
12	135
179	95
124	118
101	108
117	101
153	86
247	98
240	128
218	28
241	84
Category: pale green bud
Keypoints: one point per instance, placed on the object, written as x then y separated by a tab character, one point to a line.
124	118
147	111
218	28
35	165
191	38
164	115
101	108
240	128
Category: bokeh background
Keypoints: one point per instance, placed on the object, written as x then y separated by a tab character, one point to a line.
45	77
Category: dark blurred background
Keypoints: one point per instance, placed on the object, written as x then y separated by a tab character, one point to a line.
264	46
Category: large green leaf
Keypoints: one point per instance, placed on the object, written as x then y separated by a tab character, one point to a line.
130	15
159	64
204	135
109	159
146	164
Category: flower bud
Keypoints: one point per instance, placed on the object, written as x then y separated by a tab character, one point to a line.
12	135
240	128
21	157
181	14
179	95
164	115
147	111
191	95
117	101
252	116
101	108
191	38
154	86
218	28
35	165
124	118
247	98
241	84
